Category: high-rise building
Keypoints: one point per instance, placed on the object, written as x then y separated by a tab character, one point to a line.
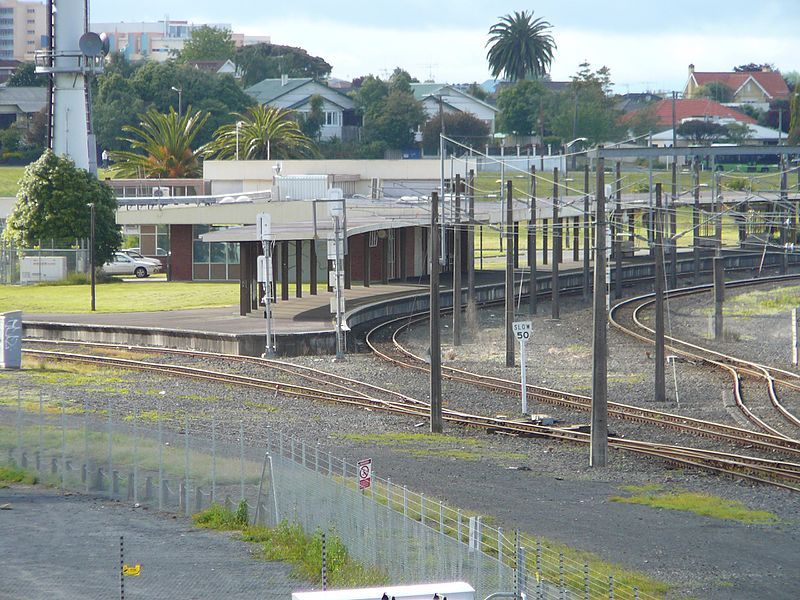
159	40
23	29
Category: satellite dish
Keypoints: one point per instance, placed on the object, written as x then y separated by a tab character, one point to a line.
106	43
91	44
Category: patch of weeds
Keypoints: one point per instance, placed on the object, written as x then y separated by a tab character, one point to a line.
74	376
435	445
290	543
704	505
111	390
12	475
400	439
642	489
261	406
199	398
48	408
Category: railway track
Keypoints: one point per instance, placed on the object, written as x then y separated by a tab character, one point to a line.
737	368
784	474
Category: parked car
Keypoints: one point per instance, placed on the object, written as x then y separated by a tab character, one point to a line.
136	255
124	264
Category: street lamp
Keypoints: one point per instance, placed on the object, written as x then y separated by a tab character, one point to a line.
238	127
91	250
180	99
566	148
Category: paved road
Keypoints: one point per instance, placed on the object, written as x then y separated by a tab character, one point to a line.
68	547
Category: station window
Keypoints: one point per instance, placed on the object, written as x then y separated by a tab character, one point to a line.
215	261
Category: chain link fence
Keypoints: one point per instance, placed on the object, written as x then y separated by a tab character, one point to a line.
52	260
184	464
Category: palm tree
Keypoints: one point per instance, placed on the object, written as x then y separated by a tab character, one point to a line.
520	46
261	133
161	146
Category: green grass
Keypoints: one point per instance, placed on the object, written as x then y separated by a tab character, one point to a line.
699	504
434	445
289	543
12	475
761	302
118	297
9	180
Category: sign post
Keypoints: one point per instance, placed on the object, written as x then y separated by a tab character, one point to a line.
523	329
264	229
364	473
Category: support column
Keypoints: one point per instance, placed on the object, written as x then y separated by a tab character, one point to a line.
245	275
384	244
617	234
285	270
367	259
696	221
298	268
435	340
276	250
599	430
348	271
471	306
576	237
312	266
554	302
509	291
673	229
516	244
457	318
660	379
719	296
587	224
532	258
544	241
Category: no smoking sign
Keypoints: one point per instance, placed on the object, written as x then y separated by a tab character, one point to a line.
364	473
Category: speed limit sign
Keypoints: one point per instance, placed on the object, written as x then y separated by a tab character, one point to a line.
522	330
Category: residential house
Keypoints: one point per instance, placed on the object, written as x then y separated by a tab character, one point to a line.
757	88
341	119
19	104
453	101
702	109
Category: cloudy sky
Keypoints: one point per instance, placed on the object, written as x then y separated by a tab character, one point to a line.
646	44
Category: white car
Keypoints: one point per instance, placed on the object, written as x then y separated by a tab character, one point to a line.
123	264
136	255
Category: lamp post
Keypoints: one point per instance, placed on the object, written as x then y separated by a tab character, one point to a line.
180	99
238	127
567	146
91	250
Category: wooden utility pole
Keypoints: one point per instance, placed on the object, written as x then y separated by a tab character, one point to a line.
587	222
556	250
435	341
532	258
599	433
658	223
471	306
784	238
457	265
719	295
673	229
696	220
509	294
616	235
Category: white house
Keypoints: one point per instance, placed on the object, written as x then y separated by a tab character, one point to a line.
341	120
453	101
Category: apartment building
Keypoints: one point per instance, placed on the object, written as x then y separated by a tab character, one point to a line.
23	29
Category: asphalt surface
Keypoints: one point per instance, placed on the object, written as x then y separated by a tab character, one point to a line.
66	547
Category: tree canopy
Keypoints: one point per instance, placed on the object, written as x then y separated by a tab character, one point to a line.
520	46
264	132
461	127
25	76
715	90
269	61
391	113
52	203
208	43
521	107
162	145
702	132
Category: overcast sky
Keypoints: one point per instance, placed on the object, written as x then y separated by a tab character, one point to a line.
646	44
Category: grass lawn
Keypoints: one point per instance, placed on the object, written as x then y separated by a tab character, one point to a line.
118	297
9	178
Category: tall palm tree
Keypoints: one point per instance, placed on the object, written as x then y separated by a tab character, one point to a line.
520	46
161	146
260	133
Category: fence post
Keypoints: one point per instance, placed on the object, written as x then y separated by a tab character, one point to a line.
405	502
41	424
458	525
85	470
111	445
441	518
561	574
135	482
185	494
241	459
324	573
500	554
115	483
198	499
586	582
131	486
148	488
610	587
213	458
63	445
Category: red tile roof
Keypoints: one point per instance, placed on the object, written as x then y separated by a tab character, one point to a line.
694	108
771	81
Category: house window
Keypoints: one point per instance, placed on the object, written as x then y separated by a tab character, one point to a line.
331	118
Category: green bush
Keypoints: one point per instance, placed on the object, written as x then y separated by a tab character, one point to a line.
738	184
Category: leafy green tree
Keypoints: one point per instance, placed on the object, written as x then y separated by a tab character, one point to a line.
750	111
645	120
269	61
265	133
520	107
738	133
462	127
161	146
794	123
752	67
520	47
401	81
715	90
312	122
701	132
474	89
25	76
52	203
586	108
370	95
208	43
792	79
391	113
